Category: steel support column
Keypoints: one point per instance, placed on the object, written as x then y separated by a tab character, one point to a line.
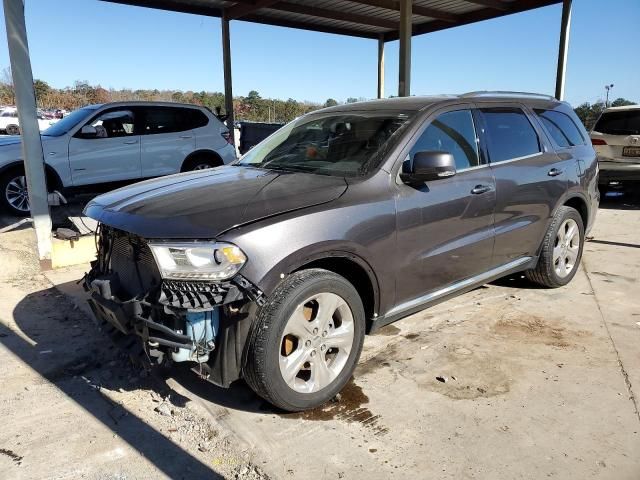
381	66
404	76
563	49
30	131
226	60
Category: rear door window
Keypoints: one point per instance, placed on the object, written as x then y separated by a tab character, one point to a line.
625	122
452	132
560	126
171	120
509	134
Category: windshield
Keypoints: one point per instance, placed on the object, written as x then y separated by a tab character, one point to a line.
67	123
625	122
338	144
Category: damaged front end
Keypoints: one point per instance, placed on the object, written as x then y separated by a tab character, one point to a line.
202	321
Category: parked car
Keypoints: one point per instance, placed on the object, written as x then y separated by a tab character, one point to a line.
115	143
10	124
343	221
616	139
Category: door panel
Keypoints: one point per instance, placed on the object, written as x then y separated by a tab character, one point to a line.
445	227
110	153
445	232
530	180
526	194
167	139
99	160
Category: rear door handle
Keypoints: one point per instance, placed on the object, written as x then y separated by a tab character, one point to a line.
478	189
186	136
130	142
554	172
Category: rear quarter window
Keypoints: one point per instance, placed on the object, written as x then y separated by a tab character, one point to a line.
625	122
562	129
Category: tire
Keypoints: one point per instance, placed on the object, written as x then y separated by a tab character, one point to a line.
561	250
276	336
13	192
12	130
201	162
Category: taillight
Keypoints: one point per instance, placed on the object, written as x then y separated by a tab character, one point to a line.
227	136
598	141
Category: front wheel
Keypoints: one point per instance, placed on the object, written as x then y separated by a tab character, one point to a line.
306	340
561	250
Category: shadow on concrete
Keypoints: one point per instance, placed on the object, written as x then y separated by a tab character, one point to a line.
621	199
68	349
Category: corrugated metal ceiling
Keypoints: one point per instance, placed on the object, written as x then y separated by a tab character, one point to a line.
361	18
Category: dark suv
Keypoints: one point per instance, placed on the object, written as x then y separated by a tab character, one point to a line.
273	268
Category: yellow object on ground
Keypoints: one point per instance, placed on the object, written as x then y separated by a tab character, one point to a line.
73	252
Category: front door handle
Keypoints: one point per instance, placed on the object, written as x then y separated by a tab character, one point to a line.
478	189
186	136
131	142
554	172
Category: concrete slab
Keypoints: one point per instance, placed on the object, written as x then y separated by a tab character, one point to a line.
536	383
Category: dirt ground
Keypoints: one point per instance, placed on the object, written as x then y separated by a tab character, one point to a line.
508	381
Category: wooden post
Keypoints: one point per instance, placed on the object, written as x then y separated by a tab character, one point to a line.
563	49
404	76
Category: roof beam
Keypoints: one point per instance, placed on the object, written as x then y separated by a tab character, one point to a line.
495	4
334	15
240	10
313	27
172	6
417	9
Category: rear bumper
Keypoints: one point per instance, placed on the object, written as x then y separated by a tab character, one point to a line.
618	171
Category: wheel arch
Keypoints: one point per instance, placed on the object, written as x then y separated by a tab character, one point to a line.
346	264
580	204
54	182
203	152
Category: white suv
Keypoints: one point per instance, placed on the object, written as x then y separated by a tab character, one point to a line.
10	124
117	143
616	139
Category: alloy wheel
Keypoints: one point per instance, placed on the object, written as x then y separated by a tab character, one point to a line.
316	342
16	193
566	248
201	166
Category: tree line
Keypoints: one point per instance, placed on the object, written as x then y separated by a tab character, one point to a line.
251	107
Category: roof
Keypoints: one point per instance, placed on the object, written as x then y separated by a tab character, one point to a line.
420	102
358	18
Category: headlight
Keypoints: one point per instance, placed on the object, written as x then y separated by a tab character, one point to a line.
198	260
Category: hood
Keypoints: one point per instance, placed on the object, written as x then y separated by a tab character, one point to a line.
206	203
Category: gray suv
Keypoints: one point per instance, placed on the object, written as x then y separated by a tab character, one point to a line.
273	268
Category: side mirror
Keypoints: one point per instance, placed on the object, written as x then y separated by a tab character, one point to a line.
88	132
426	166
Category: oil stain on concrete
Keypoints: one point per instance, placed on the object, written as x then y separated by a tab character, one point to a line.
347	407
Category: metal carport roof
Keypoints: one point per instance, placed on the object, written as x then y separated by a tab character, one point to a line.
358	18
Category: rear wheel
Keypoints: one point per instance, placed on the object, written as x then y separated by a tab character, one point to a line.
12	130
14	193
306	340
561	250
201	162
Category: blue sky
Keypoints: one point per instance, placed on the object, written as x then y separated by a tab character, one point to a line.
118	46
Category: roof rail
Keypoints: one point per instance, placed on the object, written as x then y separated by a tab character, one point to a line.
495	93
